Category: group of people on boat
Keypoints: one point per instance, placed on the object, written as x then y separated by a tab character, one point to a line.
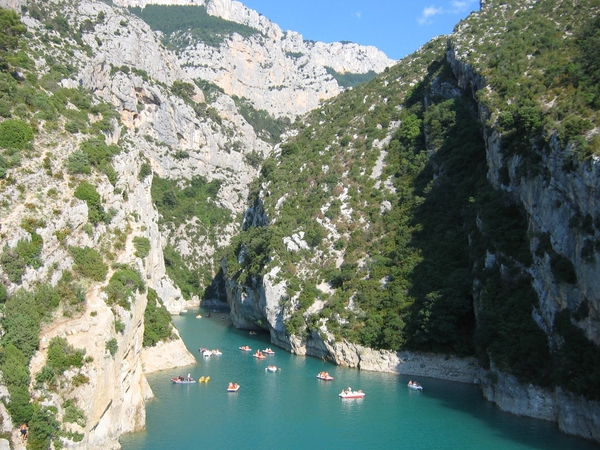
259	355
350	391
324	376
414	384
182	378
233	386
245	348
268	351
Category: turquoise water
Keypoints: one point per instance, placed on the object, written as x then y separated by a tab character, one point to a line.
292	409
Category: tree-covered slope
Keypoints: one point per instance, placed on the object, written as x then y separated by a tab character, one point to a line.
186	25
385	220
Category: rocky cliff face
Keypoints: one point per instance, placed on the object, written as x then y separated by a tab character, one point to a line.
278	71
552	200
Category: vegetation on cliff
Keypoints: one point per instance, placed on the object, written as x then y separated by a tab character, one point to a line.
184	25
387	187
53	155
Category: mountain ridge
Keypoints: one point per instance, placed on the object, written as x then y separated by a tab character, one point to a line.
278	71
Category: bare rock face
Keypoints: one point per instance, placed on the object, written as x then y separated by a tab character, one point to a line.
578	416
13	4
523	400
278	71
574	414
166	355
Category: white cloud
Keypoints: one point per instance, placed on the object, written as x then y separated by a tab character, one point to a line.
456	7
357	14
459	6
427	13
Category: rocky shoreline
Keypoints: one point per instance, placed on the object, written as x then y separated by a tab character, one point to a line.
574	415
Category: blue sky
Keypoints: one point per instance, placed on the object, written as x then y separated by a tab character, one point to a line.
397	27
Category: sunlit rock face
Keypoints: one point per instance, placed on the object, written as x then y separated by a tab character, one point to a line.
276	70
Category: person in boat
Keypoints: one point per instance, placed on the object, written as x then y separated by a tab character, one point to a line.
189	377
208	315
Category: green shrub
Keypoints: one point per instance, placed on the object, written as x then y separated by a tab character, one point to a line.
3	165
14	366
15	133
98	153
11	30
26	253
62	356
145	171
122	285
43	428
119	326
183	89
89	263
562	269
112	346
78	163
157	321
73	414
142	246
88	193
19	407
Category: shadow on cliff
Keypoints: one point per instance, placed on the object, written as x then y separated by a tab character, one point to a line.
215	296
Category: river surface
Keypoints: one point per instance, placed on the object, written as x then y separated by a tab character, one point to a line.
292	409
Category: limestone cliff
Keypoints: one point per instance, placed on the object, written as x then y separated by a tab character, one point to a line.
557	201
278	71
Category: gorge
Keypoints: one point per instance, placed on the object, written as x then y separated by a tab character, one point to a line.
439	219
